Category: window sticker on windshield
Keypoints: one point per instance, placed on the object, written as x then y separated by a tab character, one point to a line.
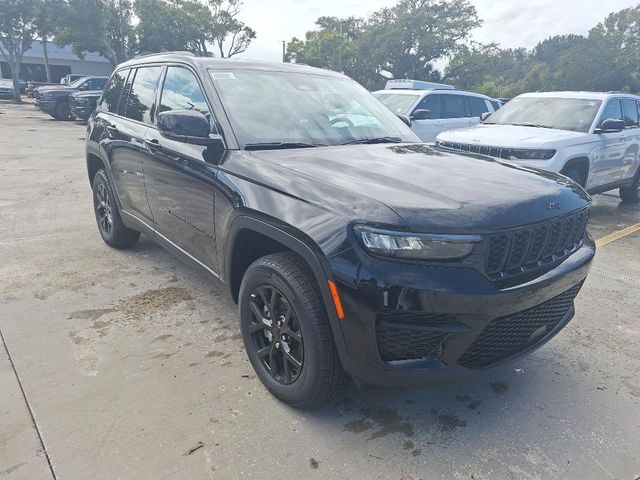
223	76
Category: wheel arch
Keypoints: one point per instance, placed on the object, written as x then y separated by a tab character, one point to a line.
287	239
582	163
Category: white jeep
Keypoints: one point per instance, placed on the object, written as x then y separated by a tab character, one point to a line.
592	138
431	108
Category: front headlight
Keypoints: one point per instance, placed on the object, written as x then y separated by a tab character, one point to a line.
415	246
531	154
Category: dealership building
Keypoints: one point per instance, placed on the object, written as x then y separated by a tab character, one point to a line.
61	62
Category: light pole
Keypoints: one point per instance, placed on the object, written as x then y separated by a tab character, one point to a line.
284	51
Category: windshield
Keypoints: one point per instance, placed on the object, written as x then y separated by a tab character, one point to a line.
573	114
305	109
78	82
6	83
398	103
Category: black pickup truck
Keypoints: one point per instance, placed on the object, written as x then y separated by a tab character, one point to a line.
350	247
54	100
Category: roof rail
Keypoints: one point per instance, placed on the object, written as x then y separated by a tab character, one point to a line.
173	52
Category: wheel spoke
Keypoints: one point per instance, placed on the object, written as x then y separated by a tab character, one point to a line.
263	352
272	303
255	310
290	359
287	315
287	369
263	296
272	362
294	335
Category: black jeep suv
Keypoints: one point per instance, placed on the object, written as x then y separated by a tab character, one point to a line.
55	99
349	246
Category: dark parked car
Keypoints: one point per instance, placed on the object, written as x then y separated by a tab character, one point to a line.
6	89
82	104
55	100
348	245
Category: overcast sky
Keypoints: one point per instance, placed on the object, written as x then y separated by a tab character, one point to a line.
510	23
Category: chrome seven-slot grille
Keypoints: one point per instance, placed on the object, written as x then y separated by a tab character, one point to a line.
496	152
526	249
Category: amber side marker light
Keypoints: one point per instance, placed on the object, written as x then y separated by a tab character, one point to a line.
336	299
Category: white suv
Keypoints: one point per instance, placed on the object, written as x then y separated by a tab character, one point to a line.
592	138
433	108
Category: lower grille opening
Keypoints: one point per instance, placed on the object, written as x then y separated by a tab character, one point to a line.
507	336
410	335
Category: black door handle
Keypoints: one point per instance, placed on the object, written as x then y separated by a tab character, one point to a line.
152	143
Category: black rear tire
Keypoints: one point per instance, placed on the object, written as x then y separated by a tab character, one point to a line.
110	225
319	374
631	194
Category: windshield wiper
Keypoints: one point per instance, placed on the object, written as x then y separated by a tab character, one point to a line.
535	125
374	140
280	145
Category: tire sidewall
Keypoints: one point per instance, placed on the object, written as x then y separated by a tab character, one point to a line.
101	178
302	388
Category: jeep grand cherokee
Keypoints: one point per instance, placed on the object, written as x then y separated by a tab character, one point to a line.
350	247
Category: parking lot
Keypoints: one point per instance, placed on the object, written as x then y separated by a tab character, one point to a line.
129	364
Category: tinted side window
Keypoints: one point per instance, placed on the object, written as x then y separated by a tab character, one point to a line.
630	112
477	105
181	91
453	106
96	83
431	103
140	102
611	110
112	91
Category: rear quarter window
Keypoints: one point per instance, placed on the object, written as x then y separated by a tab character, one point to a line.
113	91
141	99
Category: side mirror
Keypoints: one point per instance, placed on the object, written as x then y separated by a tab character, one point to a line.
187	126
404	119
484	116
421	114
611	125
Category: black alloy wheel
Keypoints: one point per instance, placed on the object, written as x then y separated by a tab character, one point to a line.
110	225
104	214
276	334
286	331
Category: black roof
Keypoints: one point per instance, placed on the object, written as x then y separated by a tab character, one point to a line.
226	63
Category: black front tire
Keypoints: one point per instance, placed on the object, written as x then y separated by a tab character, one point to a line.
110	225
320	375
62	111
631	194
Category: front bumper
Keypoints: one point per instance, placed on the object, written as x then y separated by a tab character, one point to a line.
416	325
81	111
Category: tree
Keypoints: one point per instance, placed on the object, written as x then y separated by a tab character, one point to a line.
99	26
192	25
406	40
46	22
165	25
17	32
229	34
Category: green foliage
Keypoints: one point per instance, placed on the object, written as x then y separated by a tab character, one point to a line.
406	40
191	25
606	59
17	32
100	26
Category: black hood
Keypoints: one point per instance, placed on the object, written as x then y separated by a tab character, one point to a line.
432	189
